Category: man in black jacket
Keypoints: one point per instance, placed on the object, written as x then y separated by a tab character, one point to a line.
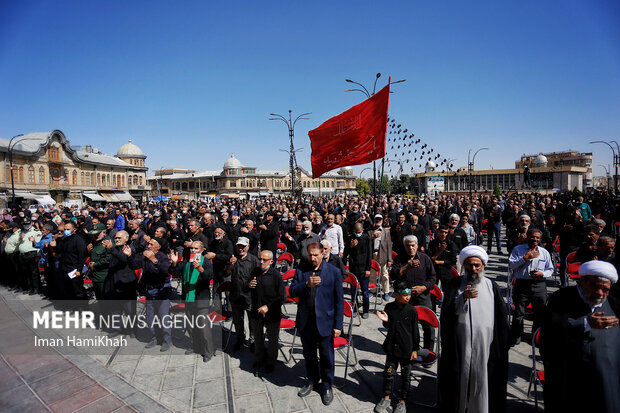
156	282
417	268
121	282
443	253
220	251
240	268
333	259
71	254
359	253
267	294
269	234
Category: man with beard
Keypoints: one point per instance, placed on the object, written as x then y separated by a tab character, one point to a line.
156	281
234	228
290	240
418	231
443	253
417	268
269	234
248	232
138	243
333	259
382	253
588	249
518	235
220	251
359	255
319	319
530	265
121	282
99	260
580	339
157	222
400	231
240	268
456	234
176	236
306	238
473	369
267	294
193	234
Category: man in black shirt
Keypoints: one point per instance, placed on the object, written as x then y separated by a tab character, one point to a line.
443	253
267	294
240	269
417	268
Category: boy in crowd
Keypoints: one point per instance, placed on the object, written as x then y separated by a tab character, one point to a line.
401	344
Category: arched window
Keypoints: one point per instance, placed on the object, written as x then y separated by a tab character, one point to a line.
82	181
92	179
135	179
21	174
41	175
74	177
140	179
53	153
123	180
114	180
31	174
8	173
99	179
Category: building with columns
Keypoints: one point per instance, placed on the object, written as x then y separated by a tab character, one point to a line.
48	170
236	180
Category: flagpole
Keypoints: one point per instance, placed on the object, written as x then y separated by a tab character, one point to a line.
374	163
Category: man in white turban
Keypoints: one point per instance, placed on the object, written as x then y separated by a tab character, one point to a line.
580	344
473	369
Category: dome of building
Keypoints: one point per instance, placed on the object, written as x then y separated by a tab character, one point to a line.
430	166
346	170
233	163
129	150
540	161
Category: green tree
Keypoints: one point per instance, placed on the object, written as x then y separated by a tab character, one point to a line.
363	187
496	191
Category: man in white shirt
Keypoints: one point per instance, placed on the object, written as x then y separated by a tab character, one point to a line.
332	232
530	264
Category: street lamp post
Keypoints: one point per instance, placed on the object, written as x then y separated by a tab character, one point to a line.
470	165
607	174
368	95
291	134
615	160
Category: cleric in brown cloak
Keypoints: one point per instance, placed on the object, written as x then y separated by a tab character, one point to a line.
473	368
580	344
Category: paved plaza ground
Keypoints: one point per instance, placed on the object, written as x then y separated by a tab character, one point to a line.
132	378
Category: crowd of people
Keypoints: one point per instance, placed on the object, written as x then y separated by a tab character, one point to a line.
405	247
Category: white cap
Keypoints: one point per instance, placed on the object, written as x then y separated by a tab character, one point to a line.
600	269
473	251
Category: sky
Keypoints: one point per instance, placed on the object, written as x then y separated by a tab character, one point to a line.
192	82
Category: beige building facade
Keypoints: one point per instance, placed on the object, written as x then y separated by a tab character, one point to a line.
48	170
237	180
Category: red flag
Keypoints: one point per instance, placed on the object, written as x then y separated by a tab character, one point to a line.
355	137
